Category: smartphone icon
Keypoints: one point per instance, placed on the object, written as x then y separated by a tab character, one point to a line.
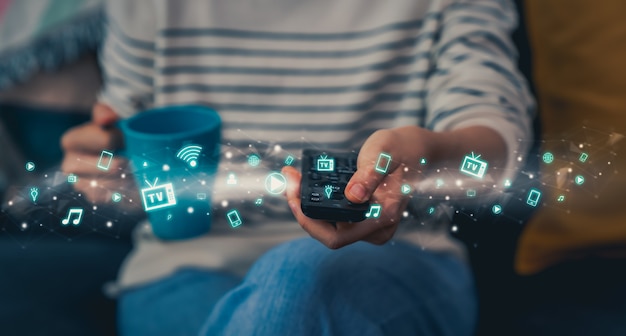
533	197
383	162
233	218
105	160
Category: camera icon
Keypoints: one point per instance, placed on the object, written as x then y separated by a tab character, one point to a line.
71	178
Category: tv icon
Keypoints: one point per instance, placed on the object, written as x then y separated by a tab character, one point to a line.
324	164
158	196
473	166
71	178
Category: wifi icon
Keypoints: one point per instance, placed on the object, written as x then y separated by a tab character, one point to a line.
190	154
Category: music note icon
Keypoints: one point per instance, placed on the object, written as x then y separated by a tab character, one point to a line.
374	211
70	213
561	198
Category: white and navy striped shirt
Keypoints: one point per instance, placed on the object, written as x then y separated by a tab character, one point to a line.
321	73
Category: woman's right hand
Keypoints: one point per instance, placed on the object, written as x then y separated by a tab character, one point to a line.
83	146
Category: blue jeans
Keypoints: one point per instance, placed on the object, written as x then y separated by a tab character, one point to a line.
303	288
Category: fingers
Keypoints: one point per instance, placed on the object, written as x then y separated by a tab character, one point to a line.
103	115
320	230
86	165
293	182
91	138
333	236
83	146
373	164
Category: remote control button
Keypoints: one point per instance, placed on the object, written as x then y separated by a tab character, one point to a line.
314	194
315	199
338	196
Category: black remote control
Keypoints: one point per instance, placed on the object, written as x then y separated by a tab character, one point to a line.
324	179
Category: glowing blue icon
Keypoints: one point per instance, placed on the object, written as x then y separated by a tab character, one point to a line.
259	201
579	179
473	166
190	154
405	189
233	218
533	197
105	160
34	193
471	193
71	178
275	183
254	160
30	166
423	161
201	196
374	211
583	157
548	157
71	213
116	197
507	183
496	209
561	198
325	164
232	179
158	196
328	190
289	160
383	162
431	210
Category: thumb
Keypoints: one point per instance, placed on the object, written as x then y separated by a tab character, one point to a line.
103	115
373	164
372	169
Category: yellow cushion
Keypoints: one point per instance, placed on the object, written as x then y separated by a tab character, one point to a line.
579	59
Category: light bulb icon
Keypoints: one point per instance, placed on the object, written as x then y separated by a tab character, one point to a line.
328	190
34	192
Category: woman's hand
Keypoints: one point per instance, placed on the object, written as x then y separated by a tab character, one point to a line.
367	184
406	146
84	144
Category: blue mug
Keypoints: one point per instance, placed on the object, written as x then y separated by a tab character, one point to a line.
175	153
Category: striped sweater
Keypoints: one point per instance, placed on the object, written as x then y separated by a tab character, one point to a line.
294	74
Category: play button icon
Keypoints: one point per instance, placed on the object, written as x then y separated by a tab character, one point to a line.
275	183
405	189
116	197
579	180
496	209
30	166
